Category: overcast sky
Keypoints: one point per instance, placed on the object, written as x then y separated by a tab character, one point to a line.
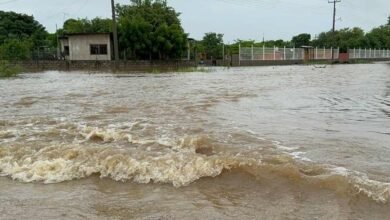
236	19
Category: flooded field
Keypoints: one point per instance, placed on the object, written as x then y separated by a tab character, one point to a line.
291	142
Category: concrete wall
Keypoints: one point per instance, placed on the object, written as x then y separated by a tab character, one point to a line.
236	62
79	46
104	66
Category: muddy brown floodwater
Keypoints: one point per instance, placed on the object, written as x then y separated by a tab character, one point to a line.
292	142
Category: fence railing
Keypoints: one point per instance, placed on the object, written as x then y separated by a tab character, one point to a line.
324	54
368	53
276	53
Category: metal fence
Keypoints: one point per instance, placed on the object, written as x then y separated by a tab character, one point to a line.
45	54
276	53
324	54
368	53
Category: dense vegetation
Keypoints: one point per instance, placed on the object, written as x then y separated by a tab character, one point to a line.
96	25
8	70
19	35
150	29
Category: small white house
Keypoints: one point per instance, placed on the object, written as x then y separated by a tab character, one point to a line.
86	46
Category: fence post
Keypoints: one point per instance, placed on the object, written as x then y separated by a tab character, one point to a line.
365	53
263	52
284	53
331	53
324	54
294	53
239	54
316	53
274	52
252	58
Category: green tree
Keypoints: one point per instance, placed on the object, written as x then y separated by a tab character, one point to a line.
96	25
150	29
301	40
16	49
388	20
21	27
213	43
344	39
379	37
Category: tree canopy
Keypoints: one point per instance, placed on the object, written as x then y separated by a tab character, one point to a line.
96	25
301	40
150	29
212	44
19	35
344	39
21	27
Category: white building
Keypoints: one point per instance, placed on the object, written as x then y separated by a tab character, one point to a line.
86	46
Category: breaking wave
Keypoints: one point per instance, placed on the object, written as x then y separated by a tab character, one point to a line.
166	161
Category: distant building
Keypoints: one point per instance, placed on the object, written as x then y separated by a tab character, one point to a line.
86	46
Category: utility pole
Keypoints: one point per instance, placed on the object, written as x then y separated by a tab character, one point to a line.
334	2
115	32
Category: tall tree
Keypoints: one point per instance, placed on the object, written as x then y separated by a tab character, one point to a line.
21	27
96	25
301	40
150	29
379	37
213	43
344	39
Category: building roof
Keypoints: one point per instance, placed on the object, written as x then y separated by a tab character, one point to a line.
95	33
66	36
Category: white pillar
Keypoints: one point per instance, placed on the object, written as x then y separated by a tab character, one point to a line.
263	52
316	55
284	53
294	53
274	53
252	57
331	52
324	54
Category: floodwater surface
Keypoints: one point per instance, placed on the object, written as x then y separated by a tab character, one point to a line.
291	142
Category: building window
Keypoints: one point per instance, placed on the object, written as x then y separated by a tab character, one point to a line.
98	49
66	50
